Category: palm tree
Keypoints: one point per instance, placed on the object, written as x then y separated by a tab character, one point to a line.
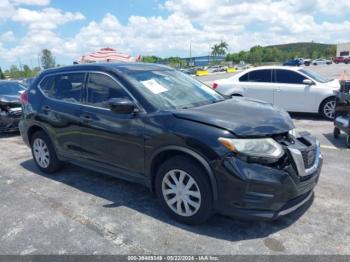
219	49
223	48
215	50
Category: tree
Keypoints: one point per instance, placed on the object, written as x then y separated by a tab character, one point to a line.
47	59
223	46
219	49
27	72
151	59
2	76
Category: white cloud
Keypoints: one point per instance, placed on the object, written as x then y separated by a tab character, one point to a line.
6	10
203	23
7	37
48	18
31	2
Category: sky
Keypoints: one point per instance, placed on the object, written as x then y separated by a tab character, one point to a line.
71	28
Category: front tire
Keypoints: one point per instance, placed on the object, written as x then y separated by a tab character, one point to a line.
44	153
327	108
184	190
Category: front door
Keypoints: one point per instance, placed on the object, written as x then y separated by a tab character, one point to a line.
109	138
257	84
291	93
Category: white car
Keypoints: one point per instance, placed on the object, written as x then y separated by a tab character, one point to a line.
321	61
293	88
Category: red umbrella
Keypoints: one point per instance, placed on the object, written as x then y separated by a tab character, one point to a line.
107	55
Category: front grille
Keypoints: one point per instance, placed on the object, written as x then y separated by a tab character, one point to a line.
309	157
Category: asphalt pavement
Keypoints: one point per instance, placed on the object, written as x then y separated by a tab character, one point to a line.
78	211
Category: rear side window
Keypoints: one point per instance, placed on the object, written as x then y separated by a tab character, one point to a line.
260	76
101	88
244	78
66	87
264	76
289	77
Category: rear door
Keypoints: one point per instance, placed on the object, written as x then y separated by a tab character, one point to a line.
108	138
291	94
257	84
60	110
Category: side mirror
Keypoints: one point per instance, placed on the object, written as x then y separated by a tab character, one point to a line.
122	106
308	82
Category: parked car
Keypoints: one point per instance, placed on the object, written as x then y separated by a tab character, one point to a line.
341	59
201	153
322	61
293	62
189	71
10	106
307	62
294	89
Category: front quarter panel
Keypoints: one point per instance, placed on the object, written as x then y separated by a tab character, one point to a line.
164	130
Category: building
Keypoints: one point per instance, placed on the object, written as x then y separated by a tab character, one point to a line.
203	60
343	49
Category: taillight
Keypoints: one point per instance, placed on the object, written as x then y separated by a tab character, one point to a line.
24	98
215	85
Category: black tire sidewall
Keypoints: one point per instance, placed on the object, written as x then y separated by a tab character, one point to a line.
54	163
336	133
199	175
323	106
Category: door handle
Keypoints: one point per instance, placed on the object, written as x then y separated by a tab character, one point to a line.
86	119
46	109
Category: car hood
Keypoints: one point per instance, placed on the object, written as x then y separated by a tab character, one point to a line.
335	84
243	117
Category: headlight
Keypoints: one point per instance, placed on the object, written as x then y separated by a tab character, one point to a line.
294	133
259	147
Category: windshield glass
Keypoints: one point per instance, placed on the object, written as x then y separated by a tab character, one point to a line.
8	88
315	76
170	89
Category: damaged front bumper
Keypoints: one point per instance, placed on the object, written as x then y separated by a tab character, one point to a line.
269	191
9	119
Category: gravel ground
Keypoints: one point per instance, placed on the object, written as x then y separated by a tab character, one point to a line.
78	211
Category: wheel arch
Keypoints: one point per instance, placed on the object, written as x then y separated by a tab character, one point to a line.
168	152
32	130
324	100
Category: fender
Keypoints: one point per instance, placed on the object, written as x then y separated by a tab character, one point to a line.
192	153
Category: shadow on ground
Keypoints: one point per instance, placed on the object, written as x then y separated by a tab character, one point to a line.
307	116
338	143
9	134
139	198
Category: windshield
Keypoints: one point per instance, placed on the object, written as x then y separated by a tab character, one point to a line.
315	76
170	89
11	88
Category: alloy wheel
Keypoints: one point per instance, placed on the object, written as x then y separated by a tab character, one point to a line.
329	109
181	193
41	153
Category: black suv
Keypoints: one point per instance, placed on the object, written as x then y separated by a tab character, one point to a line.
199	151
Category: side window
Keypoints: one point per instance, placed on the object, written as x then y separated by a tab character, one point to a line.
100	88
244	78
260	76
289	77
66	87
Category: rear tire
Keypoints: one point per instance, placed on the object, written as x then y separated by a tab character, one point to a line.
184	191
44	154
336	132
327	108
